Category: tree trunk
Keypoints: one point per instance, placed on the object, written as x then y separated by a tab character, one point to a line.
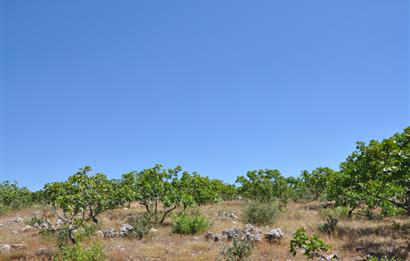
93	216
71	234
166	213
351	211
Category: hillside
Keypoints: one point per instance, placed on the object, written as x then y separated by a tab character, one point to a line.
354	239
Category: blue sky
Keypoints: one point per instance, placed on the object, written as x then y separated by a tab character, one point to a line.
219	87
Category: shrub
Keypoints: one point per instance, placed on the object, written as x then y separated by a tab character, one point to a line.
141	224
87	230
382	259
311	244
389	210
337	212
190	224
34	219
240	250
257	213
330	226
78	253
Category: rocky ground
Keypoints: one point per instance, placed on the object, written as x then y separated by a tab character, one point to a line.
355	239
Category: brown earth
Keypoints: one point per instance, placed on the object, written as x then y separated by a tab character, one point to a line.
353	239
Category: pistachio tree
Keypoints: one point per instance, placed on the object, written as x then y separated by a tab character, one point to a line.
376	175
264	185
80	198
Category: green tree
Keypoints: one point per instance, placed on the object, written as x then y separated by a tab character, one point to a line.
377	174
79	198
13	196
264	185
158	186
316	181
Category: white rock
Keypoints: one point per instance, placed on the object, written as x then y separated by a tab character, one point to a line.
14	232
27	228
19	246
18	219
275	234
5	248
110	233
153	230
125	229
59	222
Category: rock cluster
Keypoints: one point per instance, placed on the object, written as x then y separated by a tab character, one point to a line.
249	232
110	233
125	230
213	236
275	235
5	248
18	220
228	215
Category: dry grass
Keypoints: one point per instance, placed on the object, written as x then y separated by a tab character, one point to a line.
352	239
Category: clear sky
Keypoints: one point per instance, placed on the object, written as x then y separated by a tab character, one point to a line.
217	86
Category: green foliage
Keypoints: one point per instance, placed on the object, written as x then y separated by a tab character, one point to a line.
14	197
339	212
81	197
34	219
376	175
87	230
157	186
316	182
264	185
296	188
240	250
78	253
168	188
203	190
312	245
225	191
330	226
258	213
142	224
190	224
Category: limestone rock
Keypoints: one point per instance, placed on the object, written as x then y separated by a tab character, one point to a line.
125	230
5	248
19	246
110	233
18	220
274	235
213	236
27	228
228	215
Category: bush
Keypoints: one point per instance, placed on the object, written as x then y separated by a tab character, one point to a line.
337	212
78	253
329	227
34	219
389	210
240	250
257	213
311	244
141	224
190	224
87	230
